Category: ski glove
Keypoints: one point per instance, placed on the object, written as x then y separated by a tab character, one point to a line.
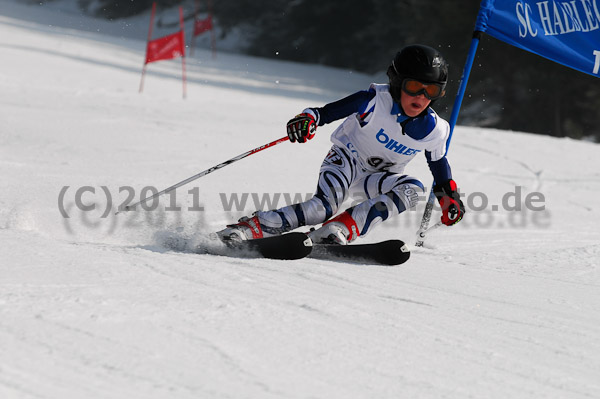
301	128
453	208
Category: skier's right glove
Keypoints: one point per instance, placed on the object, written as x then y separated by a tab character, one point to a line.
453	208
301	128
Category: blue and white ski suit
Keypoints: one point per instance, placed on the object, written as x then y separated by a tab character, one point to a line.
366	162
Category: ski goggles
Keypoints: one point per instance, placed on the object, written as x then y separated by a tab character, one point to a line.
413	87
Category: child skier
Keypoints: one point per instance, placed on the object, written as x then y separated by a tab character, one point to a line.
385	128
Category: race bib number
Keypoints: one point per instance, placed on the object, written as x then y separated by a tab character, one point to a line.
379	163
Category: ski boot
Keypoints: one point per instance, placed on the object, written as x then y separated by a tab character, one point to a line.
247	228
338	231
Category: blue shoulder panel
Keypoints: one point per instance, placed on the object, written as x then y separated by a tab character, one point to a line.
418	128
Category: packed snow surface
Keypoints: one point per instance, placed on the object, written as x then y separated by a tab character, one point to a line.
504	305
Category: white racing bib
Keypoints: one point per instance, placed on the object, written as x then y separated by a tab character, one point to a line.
381	143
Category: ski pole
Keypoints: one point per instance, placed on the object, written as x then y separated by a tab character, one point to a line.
205	172
424	231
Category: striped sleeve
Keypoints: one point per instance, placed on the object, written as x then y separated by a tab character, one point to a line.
360	102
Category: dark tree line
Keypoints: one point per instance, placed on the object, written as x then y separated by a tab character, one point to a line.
509	88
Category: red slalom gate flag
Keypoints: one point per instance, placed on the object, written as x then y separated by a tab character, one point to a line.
166	48
203	25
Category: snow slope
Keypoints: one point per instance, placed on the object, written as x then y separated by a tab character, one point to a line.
504	305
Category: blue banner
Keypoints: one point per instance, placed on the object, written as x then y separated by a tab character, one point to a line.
564	31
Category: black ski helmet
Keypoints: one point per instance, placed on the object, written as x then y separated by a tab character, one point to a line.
419	62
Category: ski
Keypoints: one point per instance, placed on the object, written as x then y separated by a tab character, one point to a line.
389	253
291	246
288	246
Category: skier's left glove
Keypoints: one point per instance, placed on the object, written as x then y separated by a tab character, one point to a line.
453	208
301	128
